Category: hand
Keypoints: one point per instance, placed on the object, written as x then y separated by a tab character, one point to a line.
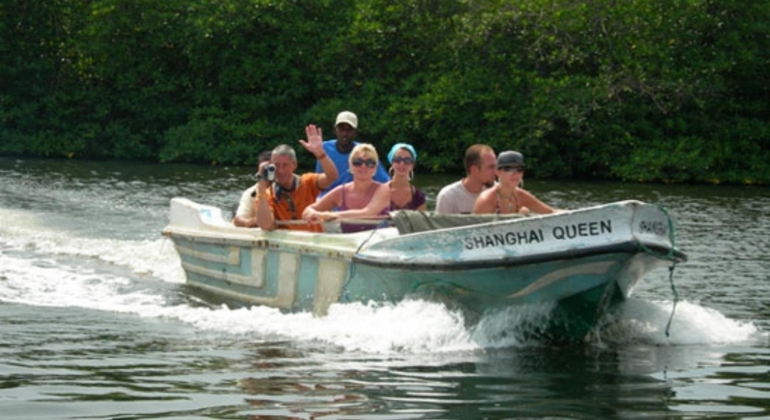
314	143
312	216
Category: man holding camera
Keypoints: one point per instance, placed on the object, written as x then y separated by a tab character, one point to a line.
283	195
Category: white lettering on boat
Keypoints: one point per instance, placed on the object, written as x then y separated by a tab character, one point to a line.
582	230
560	233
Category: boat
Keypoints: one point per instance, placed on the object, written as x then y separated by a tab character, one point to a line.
582	262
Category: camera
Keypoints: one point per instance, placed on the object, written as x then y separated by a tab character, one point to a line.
268	172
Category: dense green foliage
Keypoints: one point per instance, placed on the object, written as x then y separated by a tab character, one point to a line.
675	91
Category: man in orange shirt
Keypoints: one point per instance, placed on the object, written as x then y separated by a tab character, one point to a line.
286	197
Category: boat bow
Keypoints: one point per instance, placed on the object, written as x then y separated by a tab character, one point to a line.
627	226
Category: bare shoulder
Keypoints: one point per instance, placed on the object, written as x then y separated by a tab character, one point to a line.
487	194
527	199
522	193
486	202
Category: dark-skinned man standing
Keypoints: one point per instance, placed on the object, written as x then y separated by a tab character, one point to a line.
338	150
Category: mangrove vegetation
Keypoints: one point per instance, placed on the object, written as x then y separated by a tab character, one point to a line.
636	90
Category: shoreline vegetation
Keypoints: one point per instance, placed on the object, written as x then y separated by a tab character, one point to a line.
676	92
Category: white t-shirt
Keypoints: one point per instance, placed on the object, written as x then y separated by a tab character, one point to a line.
246	207
455	198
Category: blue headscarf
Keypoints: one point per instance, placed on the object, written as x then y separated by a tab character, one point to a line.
396	147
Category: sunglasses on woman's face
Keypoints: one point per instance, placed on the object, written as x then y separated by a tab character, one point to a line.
370	163
404	160
511	169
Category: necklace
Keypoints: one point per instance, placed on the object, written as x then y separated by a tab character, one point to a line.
511	202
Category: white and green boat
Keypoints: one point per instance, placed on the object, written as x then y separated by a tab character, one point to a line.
584	261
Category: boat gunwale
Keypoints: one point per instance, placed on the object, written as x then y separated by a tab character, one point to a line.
288	243
629	247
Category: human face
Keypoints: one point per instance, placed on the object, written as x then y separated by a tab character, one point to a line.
510	175
402	162
363	165
284	170
345	136
487	169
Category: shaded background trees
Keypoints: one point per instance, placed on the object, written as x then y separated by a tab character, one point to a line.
643	91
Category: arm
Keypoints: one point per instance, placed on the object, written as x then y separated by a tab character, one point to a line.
265	215
326	148
532	203
314	145
379	201
329	172
320	210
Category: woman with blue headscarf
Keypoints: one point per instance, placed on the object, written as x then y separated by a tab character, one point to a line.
404	195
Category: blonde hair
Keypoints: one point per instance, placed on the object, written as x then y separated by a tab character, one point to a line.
367	149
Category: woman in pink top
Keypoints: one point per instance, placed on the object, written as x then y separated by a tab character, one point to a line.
362	198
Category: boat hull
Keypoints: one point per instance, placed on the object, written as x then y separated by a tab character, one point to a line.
583	290
263	272
479	268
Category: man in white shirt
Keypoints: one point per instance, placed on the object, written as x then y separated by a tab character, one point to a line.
246	214
480	169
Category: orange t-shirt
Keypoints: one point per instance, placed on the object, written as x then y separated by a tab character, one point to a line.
289	205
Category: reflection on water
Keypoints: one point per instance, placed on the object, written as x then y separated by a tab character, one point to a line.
530	382
97	323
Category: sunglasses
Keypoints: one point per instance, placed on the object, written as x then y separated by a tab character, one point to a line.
511	169
405	160
370	163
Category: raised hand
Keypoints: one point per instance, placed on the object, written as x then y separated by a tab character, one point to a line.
314	143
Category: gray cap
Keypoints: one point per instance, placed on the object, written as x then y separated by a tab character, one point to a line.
510	158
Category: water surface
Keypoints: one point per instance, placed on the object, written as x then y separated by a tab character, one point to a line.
97	323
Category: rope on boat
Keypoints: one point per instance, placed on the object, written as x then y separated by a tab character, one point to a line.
670	257
352	266
676	297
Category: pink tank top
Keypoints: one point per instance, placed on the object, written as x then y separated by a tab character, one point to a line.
358	227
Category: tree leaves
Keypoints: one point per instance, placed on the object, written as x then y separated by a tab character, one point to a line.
669	91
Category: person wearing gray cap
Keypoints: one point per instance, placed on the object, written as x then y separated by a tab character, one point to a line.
507	197
338	150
